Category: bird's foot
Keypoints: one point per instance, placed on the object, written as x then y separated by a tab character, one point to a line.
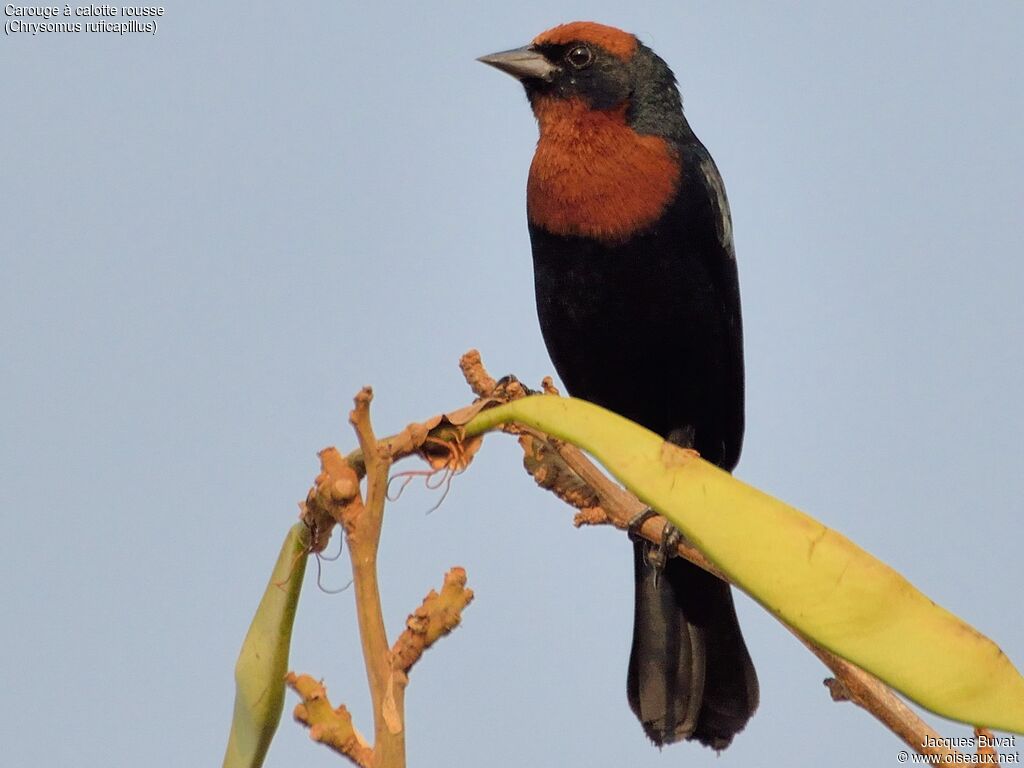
657	554
512	387
637	521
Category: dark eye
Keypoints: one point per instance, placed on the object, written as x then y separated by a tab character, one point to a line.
579	57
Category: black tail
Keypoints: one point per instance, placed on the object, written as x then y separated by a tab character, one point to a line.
690	676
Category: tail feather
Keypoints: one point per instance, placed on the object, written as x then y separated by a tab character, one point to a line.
690	675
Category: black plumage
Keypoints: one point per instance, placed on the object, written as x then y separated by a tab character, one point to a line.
641	315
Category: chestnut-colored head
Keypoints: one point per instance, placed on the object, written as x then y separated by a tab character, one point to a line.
605	68
610	120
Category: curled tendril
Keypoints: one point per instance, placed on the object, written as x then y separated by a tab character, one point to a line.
320	559
433	479
448	458
320	573
332	558
449	475
406	478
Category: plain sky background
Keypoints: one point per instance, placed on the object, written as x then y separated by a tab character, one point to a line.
212	237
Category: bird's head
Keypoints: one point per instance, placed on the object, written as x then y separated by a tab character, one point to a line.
601	68
611	122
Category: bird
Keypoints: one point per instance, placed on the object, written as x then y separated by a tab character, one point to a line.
637	294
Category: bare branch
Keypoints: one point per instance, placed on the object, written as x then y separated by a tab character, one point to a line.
336	498
363	540
438	615
331	727
565	470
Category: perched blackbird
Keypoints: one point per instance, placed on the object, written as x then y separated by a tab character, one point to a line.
638	300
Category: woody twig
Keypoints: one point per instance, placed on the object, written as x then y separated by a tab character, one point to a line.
336	498
567	472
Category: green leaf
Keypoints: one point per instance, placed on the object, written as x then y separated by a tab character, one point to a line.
814	578
263	661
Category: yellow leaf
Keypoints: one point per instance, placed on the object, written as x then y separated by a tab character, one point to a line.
814	578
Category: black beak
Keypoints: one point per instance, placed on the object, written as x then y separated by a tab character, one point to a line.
522	64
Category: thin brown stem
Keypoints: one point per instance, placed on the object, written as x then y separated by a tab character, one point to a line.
336	498
865	690
851	683
363	540
605	502
567	472
327	725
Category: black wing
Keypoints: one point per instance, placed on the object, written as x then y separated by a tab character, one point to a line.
708	239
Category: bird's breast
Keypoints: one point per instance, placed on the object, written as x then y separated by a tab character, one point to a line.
594	176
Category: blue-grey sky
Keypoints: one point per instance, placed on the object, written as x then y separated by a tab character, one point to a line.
213	236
